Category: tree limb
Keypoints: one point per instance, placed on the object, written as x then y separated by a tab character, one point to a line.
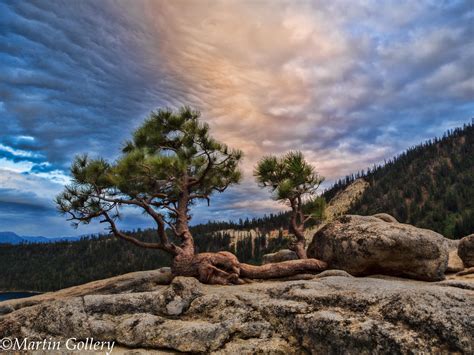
121	235
170	247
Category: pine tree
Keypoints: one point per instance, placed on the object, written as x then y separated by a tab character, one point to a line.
293	181
170	163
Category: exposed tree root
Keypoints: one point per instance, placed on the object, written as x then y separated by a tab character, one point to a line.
282	269
466	271
223	268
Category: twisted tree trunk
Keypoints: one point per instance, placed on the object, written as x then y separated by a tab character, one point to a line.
297	228
299	244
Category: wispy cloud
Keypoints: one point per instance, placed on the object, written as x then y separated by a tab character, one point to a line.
348	83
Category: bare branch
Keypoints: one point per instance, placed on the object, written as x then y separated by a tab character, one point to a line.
161	227
121	235
118	200
201	196
209	165
173	228
169	208
221	189
166	245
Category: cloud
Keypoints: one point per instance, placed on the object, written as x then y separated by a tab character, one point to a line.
26	204
348	83
318	77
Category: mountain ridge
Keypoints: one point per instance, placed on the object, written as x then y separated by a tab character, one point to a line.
8	237
430	185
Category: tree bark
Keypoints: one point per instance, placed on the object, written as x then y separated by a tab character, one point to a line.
223	268
299	245
220	268
182	226
282	269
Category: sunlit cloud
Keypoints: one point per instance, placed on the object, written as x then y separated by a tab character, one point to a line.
348	83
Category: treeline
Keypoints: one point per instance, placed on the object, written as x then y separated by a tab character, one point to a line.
430	185
266	223
249	246
49	267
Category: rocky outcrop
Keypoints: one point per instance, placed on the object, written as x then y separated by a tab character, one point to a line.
279	256
139	281
466	250
455	263
343	200
386	217
365	245
332	313
339	205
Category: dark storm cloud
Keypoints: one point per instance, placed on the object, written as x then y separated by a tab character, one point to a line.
25	213
23	200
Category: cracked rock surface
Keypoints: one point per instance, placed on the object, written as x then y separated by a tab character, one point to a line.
332	313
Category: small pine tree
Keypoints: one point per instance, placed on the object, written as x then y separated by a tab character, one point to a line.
293	181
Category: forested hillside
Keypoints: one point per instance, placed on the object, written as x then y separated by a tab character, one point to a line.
47	267
430	185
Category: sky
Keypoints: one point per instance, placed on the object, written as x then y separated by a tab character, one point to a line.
349	83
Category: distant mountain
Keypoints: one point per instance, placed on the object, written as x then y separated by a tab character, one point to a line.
10	238
14	239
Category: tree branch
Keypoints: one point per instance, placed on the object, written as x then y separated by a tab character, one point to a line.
161	231
161	228
204	173
202	196
121	235
299	207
